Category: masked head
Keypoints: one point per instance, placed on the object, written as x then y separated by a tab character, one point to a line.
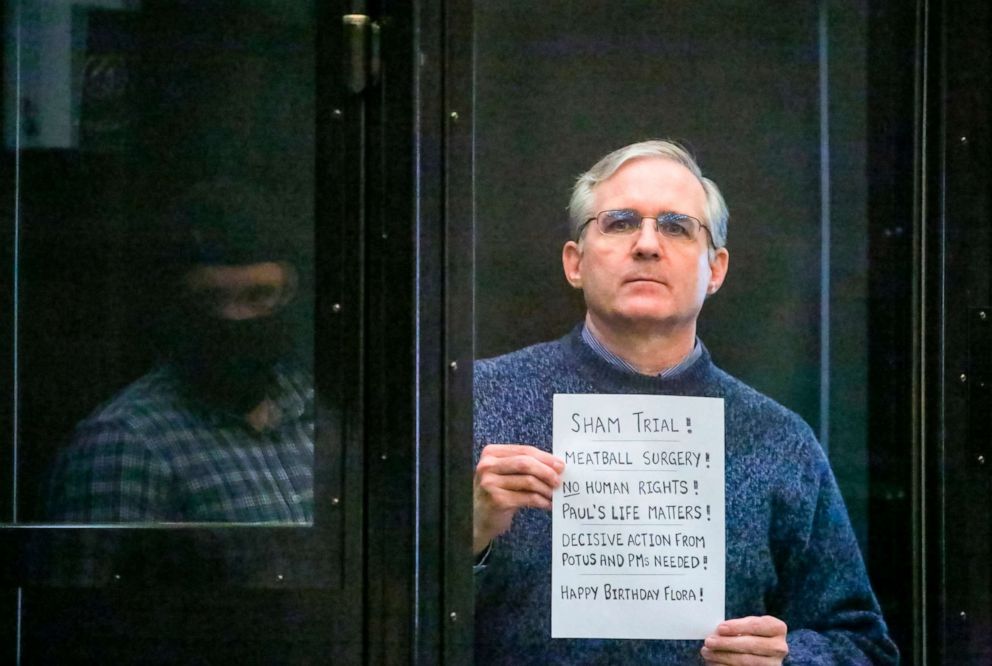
232	284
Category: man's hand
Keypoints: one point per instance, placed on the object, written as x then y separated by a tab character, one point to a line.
507	478
746	641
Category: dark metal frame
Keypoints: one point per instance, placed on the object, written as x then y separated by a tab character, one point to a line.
956	287
895	75
111	567
388	560
32	552
419	355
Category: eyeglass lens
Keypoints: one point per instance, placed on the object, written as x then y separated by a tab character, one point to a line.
627	221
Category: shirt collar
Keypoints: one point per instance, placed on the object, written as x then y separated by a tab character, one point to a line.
291	391
668	373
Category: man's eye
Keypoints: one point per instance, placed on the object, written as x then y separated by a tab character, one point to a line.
675	226
618	224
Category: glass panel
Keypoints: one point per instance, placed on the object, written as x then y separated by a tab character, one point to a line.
774	104
162	290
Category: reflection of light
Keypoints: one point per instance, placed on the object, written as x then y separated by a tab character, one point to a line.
45	70
154	525
16	287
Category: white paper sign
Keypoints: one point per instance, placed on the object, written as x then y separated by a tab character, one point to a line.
639	528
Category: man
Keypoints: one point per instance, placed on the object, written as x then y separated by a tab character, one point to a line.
647	248
222	429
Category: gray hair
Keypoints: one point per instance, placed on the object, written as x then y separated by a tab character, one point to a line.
580	206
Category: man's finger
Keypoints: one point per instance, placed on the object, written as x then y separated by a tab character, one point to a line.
756	645
765	625
517	465
505	450
737	659
714	659
519	482
512	499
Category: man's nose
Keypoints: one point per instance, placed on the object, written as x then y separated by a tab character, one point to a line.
647	243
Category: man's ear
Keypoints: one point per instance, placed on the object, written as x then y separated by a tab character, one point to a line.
571	261
718	270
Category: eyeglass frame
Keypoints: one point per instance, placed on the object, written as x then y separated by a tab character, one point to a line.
657	228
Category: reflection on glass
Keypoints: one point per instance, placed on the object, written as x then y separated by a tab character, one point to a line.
222	428
165	154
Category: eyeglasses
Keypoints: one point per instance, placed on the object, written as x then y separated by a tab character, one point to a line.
626	221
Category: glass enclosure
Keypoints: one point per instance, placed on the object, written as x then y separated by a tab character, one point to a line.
175	486
250	249
774	104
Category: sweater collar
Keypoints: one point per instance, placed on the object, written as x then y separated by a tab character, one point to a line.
590	339
615	379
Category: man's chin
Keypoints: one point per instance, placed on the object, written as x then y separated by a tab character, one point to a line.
645	311
646	318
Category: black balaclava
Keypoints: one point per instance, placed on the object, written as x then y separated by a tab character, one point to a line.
225	363
229	363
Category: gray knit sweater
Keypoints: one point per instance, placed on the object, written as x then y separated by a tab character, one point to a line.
791	552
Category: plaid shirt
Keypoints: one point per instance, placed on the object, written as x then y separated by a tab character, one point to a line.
153	454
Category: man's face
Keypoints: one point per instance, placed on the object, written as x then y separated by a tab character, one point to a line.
646	281
233	332
247	291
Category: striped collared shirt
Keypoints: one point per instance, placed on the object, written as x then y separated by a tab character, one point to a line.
616	361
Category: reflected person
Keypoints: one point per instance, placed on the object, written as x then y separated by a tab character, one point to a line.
223	428
647	247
